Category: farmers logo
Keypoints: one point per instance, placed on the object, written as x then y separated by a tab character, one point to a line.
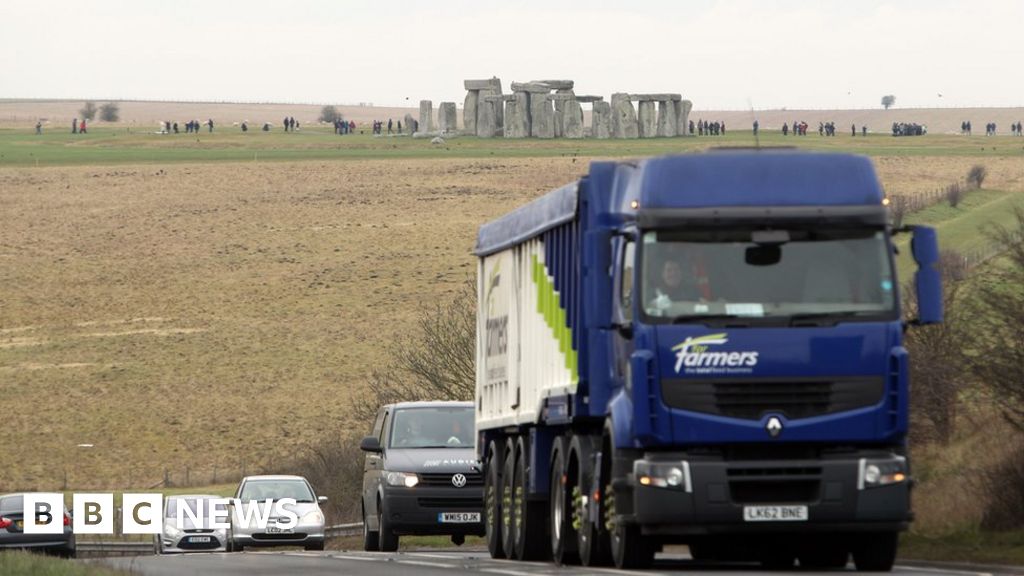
695	355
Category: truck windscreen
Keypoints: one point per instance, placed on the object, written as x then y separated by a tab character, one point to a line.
772	274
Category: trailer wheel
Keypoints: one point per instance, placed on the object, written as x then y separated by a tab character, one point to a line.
876	552
563	535
508	520
492	502
530	521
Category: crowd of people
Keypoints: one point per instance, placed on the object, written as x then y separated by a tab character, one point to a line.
908	129
705	128
342	127
290	125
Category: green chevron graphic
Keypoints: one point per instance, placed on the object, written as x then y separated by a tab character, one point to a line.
554	315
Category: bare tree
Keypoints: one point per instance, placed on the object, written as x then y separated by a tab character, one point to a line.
998	340
938	369
110	112
329	114
888	100
88	111
437	361
954	194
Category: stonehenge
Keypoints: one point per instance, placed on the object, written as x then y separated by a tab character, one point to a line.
552	109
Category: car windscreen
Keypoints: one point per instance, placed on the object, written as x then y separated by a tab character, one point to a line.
750	273
11	505
276	489
433	427
171	511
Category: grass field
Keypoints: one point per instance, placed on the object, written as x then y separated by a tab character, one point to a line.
178	304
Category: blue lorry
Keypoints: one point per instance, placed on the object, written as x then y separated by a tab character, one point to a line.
702	349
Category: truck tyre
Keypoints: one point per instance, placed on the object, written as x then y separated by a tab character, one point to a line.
508	528
876	552
530	526
593	543
563	535
371	538
387	538
630	550
492	502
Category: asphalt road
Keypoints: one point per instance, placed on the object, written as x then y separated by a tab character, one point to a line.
438	563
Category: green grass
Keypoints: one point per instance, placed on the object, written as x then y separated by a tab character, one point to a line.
961	228
25	564
105	145
966	546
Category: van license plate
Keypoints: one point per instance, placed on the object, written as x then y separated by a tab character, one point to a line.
775	513
458	517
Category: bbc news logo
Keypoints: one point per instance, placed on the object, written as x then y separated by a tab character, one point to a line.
43	513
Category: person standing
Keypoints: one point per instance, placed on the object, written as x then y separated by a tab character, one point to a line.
755	127
74	126
39	127
209	123
81	127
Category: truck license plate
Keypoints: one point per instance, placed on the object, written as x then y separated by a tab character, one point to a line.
199	539
775	513
458	517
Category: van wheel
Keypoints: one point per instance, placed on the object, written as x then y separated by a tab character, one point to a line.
388	540
876	552
371	538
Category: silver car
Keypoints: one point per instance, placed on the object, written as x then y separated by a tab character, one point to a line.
308	532
191	537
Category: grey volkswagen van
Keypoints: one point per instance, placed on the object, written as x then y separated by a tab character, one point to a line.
421	475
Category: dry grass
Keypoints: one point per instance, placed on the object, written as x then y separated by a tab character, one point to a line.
225	314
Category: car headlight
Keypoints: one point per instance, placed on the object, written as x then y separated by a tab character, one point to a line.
314	517
406	479
873	473
674	475
171	530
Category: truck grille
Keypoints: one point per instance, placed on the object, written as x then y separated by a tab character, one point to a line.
752	398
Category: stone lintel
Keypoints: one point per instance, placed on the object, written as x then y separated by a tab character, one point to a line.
655	97
556	84
532	87
481	84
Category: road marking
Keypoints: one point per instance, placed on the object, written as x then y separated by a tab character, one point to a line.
944	571
427	564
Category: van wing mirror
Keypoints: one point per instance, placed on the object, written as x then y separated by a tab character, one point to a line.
370	444
927	279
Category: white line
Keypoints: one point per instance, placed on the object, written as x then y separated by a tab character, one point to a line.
941	570
427	564
507	572
360	558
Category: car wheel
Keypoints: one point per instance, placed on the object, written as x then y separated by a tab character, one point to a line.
315	546
371	538
388	539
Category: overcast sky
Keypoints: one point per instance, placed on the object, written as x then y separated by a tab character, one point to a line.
721	54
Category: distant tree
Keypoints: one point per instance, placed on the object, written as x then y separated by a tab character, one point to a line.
110	112
888	100
329	114
976	176
88	111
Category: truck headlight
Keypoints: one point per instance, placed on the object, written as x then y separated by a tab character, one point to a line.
406	479
674	475
873	473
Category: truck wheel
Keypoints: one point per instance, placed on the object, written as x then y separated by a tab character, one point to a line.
529	521
876	552
492	503
508	528
388	540
563	535
593	543
371	538
630	550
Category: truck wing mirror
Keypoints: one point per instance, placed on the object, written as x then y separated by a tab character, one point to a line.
927	279
370	444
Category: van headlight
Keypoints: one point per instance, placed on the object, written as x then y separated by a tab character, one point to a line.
407	479
673	475
873	473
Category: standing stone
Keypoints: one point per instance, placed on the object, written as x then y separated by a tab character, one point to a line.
517	116
601	120
683	116
469	111
490	115
410	124
647	119
560	106
667	123
426	116
623	117
447	117
572	119
542	121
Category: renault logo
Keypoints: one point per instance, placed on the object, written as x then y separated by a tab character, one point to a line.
774	427
459	480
